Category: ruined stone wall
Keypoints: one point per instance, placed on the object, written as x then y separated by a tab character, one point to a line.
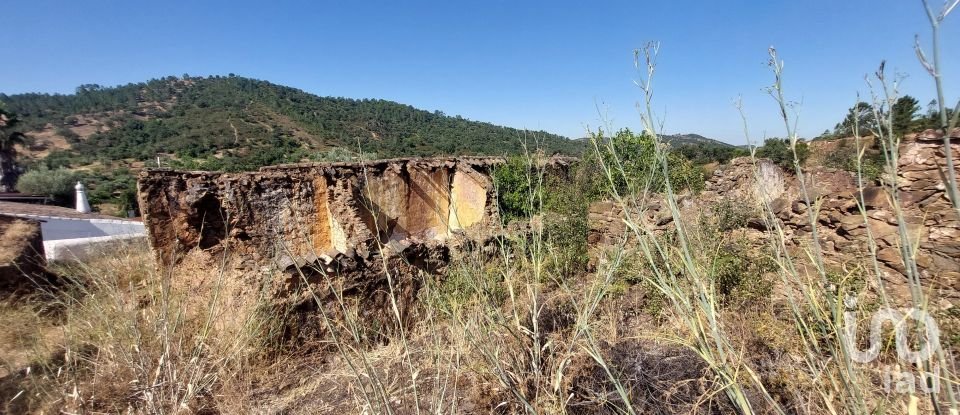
311	238
932	224
302	212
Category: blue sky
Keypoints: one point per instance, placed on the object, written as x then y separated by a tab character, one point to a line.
538	65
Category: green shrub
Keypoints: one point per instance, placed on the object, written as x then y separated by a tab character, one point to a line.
844	157
68	135
566	200
117	187
633	158
738	267
561	196
778	150
684	175
515	188
566	237
341	154
705	153
58	183
464	285
632	271
730	215
740	273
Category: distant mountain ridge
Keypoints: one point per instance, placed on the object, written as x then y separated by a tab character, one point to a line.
683	139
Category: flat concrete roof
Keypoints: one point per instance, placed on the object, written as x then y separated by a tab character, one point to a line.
20	209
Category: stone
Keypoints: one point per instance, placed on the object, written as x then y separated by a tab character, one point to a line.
875	197
892	258
298	210
757	224
780	205
341	228
428	202
850	222
665	220
883	230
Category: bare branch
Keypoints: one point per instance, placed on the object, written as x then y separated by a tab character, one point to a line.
934	21
879	73
922	57
947	8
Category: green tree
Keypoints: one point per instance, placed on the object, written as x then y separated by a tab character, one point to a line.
931	120
861	114
58	183
240	118
704	153
9	137
516	190
904	111
636	167
826	135
778	151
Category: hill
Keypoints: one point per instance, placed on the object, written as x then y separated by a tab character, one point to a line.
231	123
107	134
703	150
692	139
236	123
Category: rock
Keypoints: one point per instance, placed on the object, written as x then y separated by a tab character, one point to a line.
310	209
883	215
933	135
664	220
835	216
875	197
757	224
850	222
892	258
780	205
911	198
884	231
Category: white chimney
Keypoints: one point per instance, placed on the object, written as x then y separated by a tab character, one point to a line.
82	205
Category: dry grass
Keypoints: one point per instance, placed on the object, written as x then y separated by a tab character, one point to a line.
502	330
119	335
15	236
494	334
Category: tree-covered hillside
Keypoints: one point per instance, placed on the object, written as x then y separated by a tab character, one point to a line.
106	134
236	123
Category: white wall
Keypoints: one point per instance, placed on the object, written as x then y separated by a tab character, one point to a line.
79	239
85	248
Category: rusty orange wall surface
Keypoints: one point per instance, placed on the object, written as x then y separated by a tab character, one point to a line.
317	209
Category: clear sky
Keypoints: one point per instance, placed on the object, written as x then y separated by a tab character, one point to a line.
538	65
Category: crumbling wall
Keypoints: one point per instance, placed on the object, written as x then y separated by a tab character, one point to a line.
931	222
322	234
285	213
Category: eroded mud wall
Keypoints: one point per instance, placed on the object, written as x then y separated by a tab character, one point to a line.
299	211
468	200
